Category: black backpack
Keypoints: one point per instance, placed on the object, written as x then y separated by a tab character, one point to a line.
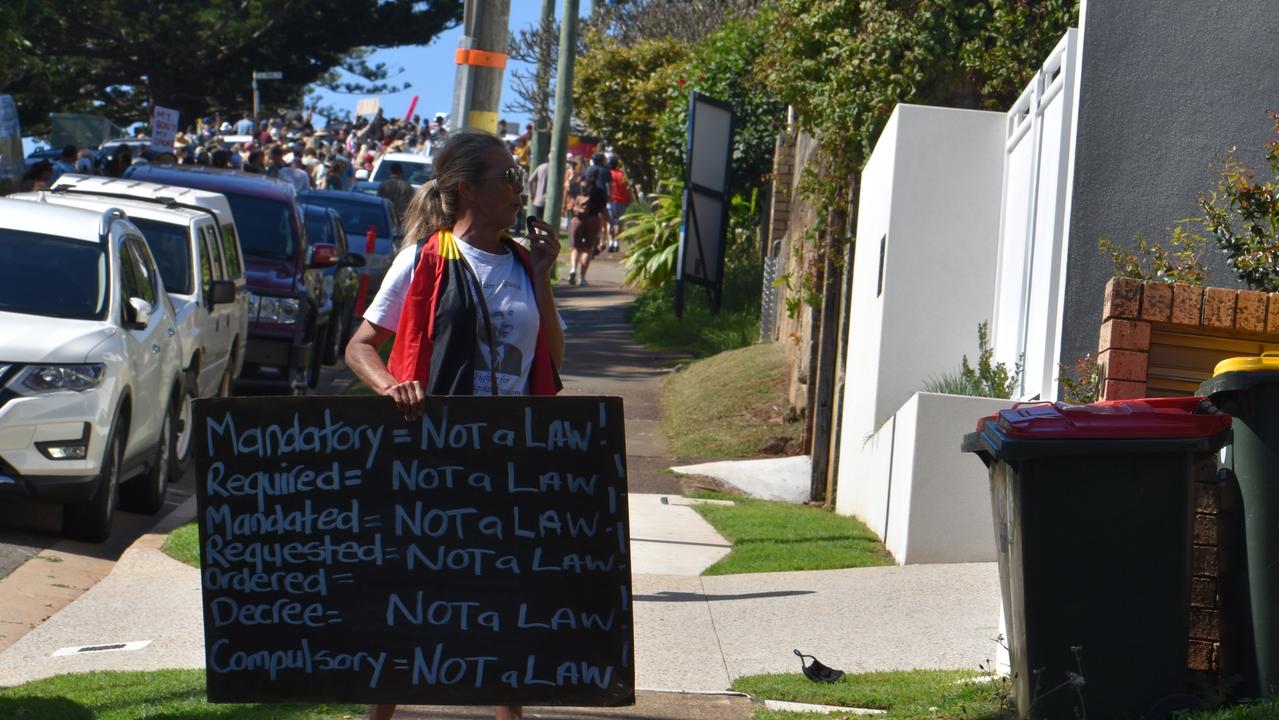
599	176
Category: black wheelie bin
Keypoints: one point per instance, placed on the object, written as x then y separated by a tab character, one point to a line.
1093	506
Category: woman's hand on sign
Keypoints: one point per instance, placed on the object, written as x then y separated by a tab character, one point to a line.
544	246
408	397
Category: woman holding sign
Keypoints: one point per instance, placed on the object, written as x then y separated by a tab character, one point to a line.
470	309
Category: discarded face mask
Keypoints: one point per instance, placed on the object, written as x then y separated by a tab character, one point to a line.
818	672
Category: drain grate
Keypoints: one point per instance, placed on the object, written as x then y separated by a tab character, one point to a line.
106	647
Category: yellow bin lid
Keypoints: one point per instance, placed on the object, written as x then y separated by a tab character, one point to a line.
1268	361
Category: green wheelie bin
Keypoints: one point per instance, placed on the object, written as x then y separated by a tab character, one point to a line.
1093	506
1248	389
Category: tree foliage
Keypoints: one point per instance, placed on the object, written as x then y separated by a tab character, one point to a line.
620	91
722	66
115	57
538	47
687	21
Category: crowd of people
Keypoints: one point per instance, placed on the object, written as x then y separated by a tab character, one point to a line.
286	145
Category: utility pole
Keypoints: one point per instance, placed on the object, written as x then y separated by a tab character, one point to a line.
481	57
539	144
563	112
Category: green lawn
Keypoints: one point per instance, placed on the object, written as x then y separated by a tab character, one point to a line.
923	695
729	404
183	544
775	536
908	695
164	694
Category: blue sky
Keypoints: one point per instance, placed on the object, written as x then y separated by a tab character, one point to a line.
430	69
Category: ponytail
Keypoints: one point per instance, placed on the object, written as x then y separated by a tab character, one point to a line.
434	206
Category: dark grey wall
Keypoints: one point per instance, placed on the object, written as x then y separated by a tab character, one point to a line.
1166	87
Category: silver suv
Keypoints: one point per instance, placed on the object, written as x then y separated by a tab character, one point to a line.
90	376
203	272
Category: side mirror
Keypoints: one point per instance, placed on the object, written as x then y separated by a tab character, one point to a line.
222	292
324	255
137	312
352	260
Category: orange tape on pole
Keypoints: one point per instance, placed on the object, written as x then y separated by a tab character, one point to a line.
480	58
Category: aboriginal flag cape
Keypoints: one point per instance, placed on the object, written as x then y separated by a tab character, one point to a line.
436	340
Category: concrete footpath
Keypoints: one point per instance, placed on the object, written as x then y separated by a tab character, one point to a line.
693	634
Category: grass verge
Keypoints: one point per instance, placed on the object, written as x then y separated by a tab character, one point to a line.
132	695
728	405
924	694
183	545
905	695
700	332
777	537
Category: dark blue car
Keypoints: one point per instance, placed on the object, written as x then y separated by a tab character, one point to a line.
359	212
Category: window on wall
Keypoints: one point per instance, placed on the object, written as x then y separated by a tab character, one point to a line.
883	246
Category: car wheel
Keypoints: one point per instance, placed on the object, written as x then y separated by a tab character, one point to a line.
90	520
145	493
183	432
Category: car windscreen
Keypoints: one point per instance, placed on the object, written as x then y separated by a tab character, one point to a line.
356	216
53	276
415	173
171	245
319	229
264	225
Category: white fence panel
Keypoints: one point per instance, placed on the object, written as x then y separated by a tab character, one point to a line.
1028	298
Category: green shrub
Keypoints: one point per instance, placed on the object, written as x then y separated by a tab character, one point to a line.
1180	262
1243	217
988	379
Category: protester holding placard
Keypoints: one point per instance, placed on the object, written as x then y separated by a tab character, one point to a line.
444	294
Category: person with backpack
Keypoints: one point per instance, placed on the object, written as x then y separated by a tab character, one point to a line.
586	229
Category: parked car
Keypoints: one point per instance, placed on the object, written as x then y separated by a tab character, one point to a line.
287	318
359	212
203	273
416	168
341	281
90	376
365	187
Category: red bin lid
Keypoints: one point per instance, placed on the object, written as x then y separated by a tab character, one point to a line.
1177	417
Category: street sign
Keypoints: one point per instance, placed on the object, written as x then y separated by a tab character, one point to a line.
273	75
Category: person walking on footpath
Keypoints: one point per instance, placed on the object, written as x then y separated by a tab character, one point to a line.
472	310
619	199
586	230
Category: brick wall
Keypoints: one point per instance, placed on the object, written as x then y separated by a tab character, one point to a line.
1160	339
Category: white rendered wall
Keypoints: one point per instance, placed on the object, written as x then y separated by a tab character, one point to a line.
939	497
932	188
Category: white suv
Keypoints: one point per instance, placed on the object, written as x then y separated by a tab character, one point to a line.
90	375
203	272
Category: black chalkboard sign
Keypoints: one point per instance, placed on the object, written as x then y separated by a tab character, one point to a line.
475	556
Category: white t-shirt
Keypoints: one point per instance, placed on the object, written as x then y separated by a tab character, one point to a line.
513	320
511	303
384	310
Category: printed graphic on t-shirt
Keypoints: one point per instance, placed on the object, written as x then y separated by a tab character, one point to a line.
513	319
